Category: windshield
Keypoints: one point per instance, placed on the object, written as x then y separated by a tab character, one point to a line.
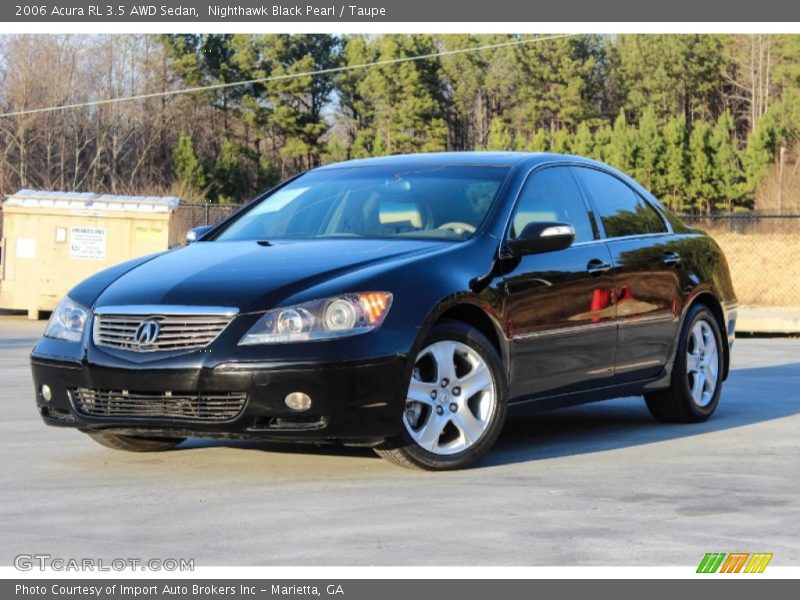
432	202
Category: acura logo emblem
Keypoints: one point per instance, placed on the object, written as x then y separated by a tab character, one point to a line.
147	332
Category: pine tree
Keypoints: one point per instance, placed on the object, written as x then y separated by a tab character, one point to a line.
404	100
602	143
621	151
701	167
561	141
728	171
268	173
538	142
675	163
649	160
499	136
188	169
230	180
583	141
335	150
672	74
470	97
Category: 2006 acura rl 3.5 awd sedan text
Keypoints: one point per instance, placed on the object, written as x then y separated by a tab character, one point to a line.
406	303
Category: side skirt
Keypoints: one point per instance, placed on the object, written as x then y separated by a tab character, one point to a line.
527	406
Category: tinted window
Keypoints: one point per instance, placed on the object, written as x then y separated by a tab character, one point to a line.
552	195
622	210
438	202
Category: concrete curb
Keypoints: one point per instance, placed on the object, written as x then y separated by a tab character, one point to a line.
768	320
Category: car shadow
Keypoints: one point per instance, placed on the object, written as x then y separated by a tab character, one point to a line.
750	396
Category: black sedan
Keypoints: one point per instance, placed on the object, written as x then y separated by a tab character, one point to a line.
407	303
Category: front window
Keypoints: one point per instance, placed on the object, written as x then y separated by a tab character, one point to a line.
553	196
431	202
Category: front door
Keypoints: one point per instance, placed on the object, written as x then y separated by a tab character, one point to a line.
559	305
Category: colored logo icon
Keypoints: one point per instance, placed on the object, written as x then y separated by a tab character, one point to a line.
734	562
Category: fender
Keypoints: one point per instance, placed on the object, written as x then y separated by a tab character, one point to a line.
694	296
466	299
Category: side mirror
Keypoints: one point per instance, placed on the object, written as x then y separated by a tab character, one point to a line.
195	233
542	237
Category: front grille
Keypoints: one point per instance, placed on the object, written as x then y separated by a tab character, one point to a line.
159	405
174	332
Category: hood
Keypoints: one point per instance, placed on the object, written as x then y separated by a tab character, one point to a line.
250	276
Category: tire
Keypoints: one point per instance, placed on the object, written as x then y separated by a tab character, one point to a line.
134	444
688	400
465	402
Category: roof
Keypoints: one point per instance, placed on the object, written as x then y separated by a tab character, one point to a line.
93	202
498	159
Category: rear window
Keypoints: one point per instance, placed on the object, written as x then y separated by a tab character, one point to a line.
622	211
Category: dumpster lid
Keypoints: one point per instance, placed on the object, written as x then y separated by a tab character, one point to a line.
94	202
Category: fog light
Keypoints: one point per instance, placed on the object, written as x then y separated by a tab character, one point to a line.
47	393
298	401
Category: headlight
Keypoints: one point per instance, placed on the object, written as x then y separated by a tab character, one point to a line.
340	316
67	321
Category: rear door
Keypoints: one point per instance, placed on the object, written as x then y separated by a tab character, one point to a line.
646	262
559	305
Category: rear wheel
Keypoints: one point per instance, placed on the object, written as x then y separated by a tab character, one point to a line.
697	372
133	443
456	401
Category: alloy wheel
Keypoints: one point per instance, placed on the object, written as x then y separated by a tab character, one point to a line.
451	398
702	363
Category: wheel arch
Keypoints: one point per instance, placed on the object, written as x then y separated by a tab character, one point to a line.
709	300
473	312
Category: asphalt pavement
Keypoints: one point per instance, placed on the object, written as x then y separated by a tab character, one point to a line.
602	484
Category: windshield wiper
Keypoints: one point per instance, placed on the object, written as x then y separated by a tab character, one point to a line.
264	243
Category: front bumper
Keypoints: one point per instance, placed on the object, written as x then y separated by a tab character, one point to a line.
355	401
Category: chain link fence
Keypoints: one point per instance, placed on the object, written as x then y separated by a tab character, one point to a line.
763	252
187	216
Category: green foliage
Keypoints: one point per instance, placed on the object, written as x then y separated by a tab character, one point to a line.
230	180
188	170
393	108
729	176
621	150
284	116
538	142
268	173
675	164
499	136
583	140
335	150
649	161
602	143
671	74
701	167
676	112
561	141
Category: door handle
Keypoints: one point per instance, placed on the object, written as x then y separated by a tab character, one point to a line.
597	266
671	258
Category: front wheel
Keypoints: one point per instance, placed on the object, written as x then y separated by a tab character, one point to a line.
456	401
696	374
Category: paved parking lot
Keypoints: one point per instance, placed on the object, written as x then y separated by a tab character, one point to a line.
594	485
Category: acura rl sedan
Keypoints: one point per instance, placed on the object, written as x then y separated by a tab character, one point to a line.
407	303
